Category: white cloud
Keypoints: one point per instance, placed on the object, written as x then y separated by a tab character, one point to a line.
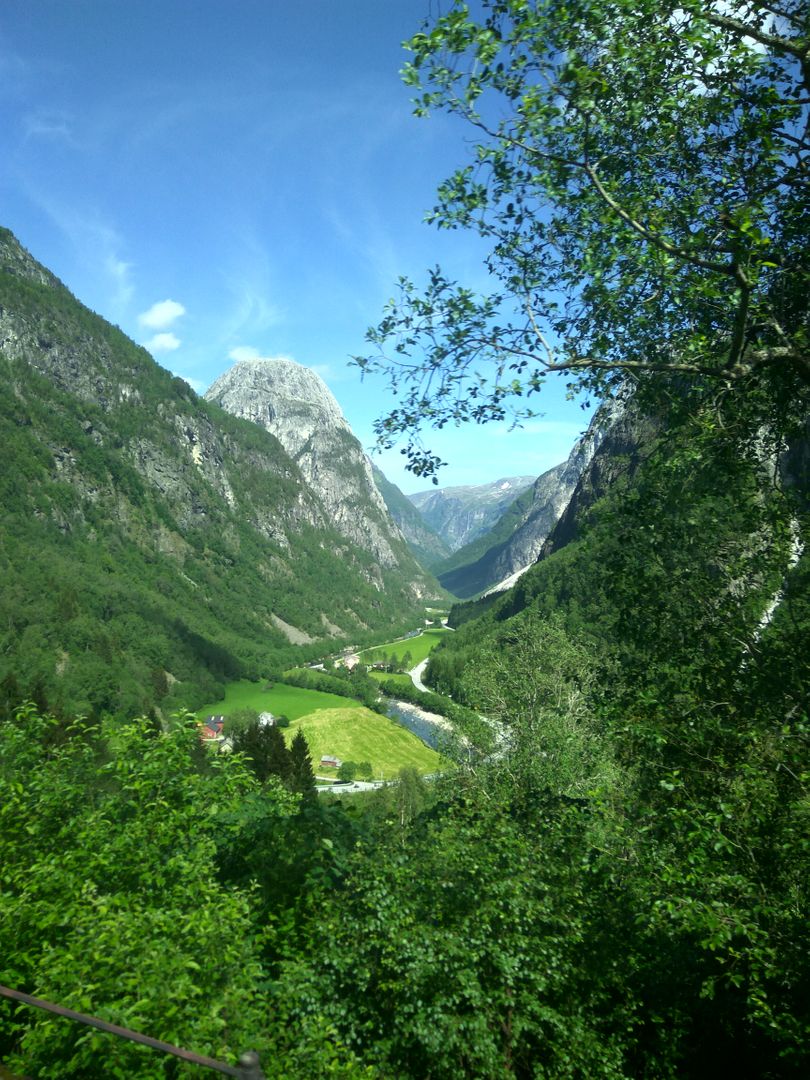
324	370
244	352
49	125
161	315
119	272
163	343
97	245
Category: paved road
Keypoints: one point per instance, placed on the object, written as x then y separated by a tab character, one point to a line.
355	785
416	677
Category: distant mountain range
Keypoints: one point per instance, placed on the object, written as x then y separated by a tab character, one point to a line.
459	515
495	560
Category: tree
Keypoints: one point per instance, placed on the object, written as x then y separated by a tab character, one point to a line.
302	778
266	751
641	174
240	720
348	770
117	862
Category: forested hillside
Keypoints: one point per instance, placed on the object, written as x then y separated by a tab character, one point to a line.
427	546
152	545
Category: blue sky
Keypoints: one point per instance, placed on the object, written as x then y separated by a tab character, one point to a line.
226	178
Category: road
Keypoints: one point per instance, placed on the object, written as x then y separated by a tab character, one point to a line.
416	677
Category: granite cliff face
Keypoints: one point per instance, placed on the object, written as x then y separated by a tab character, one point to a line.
294	404
496	561
461	514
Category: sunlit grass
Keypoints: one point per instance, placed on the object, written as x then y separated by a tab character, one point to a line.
419	647
291	701
357	734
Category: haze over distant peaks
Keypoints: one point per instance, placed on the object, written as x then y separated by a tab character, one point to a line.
460	514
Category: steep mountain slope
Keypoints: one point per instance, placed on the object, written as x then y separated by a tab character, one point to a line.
495	561
295	405
427	545
460	514
151	544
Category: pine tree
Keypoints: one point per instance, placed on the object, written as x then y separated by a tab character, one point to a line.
266	751
302	777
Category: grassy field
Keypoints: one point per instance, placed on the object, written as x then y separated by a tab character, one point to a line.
290	701
391	680
355	733
418	647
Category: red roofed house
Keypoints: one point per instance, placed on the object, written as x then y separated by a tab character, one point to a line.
212	728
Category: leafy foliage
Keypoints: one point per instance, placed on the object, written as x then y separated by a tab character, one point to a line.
640	174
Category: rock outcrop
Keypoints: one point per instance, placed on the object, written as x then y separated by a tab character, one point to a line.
294	404
496	561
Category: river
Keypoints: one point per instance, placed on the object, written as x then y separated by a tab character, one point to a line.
432	729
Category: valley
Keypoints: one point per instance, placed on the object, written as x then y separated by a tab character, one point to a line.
343	727
303	777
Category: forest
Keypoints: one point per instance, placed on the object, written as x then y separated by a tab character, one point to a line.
619	889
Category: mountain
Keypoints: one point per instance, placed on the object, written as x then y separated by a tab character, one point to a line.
152	545
461	514
494	562
294	404
427	545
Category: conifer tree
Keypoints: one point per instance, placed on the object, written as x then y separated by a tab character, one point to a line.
266	751
302	778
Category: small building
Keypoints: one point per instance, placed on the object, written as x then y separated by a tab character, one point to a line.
211	728
266	719
329	761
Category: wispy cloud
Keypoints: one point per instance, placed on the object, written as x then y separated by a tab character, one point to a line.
197	385
331	374
163	343
244	352
98	246
161	315
119	271
49	124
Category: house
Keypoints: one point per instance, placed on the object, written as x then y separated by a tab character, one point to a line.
329	761
266	719
211	728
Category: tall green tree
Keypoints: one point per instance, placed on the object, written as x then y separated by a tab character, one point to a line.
302	777
265	750
111	902
640	172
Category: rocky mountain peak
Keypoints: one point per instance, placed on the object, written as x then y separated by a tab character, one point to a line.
282	396
295	404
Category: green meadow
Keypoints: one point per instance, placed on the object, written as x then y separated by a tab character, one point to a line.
419	647
355	733
291	701
391	679
333	725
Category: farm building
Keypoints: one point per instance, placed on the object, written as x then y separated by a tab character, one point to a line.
329	761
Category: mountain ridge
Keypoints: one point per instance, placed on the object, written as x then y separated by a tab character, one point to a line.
294	404
153	545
